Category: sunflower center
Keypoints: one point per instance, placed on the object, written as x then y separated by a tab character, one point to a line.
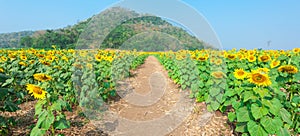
264	58
38	91
240	73
258	77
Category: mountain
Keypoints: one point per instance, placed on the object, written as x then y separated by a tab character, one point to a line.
114	28
11	40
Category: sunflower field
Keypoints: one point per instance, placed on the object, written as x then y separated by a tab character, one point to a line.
257	89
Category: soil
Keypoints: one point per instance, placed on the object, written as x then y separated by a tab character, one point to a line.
149	104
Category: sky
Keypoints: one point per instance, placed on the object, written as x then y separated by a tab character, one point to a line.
237	24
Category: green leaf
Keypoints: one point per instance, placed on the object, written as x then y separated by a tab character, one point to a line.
255	130
55	106
229	92
215	105
283	132
258	112
262	92
62	123
271	125
247	96
231	116
214	91
10	106
37	132
241	127
39	106
285	116
243	115
275	106
48	120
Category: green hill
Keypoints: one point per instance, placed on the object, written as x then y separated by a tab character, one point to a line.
113	37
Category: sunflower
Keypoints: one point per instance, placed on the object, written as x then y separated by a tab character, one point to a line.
57	67
262	70
45	62
36	91
251	52
218	74
264	58
259	78
1	70
202	58
251	58
288	69
241	56
42	77
98	57
274	63
4	58
23	57
218	62
296	50
22	63
240	74
31	61
65	58
231	56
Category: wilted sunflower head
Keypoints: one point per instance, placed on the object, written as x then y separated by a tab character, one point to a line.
42	77
240	74
36	91
274	63
259	78
218	74
288	69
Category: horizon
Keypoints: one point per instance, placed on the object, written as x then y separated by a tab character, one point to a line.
250	24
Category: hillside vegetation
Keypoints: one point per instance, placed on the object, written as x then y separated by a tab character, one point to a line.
107	26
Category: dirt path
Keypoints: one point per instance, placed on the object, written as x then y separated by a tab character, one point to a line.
154	105
150	105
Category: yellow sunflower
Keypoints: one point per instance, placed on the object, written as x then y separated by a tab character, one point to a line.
202	58
4	58
259	78
42	77
240	74
1	70
296	50
23	57
22	63
218	62
262	70
274	63
251	58
231	56
98	57
36	91
218	74
288	69
264	58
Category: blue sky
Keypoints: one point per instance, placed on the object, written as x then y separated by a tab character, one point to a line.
238	24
